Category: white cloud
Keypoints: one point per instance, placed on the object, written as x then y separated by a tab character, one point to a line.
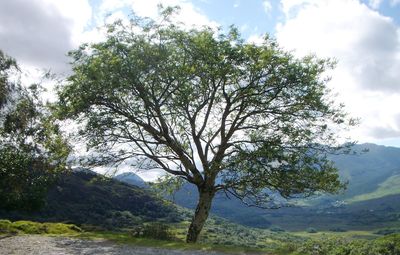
367	46
255	39
267	6
189	15
375	3
40	32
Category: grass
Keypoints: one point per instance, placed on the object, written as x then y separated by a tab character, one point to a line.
390	186
30	227
60	229
269	243
352	235
126	238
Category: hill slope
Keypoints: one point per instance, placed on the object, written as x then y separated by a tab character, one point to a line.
84	197
372	177
366	172
132	179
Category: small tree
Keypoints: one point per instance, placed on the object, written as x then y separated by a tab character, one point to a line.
208	108
32	150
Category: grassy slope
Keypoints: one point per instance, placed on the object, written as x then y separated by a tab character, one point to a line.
390	186
325	243
373	174
60	229
87	199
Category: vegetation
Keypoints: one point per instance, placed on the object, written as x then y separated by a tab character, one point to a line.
29	227
256	241
388	245
259	120
32	150
390	186
93	201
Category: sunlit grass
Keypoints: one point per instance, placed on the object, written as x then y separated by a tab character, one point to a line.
29	227
347	234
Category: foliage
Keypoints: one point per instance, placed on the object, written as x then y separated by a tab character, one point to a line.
311	230
32	150
95	202
154	230
29	227
277	229
257	119
388	245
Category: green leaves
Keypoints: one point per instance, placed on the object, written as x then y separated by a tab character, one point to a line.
202	105
32	150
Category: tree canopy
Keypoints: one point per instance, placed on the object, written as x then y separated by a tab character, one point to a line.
32	150
208	108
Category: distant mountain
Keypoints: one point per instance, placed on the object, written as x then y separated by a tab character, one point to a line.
132	179
367	172
372	199
86	198
374	178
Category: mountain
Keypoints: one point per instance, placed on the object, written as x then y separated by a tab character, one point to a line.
367	172
132	179
89	199
372	198
371	201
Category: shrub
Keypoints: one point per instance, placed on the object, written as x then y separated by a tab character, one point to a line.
337	229
277	229
154	230
29	227
387	231
311	230
387	245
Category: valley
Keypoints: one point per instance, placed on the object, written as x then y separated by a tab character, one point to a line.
125	209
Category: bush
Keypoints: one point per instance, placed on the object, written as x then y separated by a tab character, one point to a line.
29	227
387	231
154	230
311	230
277	229
387	245
337	229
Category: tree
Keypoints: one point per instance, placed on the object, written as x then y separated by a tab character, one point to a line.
32	150
208	108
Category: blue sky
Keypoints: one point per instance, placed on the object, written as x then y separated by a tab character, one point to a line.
364	36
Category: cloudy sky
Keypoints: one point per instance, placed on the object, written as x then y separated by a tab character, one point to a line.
364	36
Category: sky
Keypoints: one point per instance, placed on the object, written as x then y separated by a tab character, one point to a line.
363	36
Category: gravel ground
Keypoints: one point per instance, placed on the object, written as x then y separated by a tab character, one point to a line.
44	245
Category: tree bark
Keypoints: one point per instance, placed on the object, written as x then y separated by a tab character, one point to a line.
201	214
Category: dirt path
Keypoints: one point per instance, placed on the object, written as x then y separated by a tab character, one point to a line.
44	245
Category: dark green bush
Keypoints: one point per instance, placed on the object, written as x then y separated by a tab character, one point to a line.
387	231
311	230
277	229
337	229
155	230
387	245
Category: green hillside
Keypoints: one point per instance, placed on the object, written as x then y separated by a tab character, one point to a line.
372	176
390	186
85	198
367	171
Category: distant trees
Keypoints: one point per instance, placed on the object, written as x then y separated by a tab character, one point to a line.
208	108
32	150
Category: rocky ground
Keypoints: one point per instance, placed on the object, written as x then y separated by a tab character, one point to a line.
45	245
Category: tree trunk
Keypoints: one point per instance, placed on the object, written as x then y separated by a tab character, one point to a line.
201	214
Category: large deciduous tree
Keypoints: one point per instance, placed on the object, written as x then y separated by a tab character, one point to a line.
32	150
208	108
